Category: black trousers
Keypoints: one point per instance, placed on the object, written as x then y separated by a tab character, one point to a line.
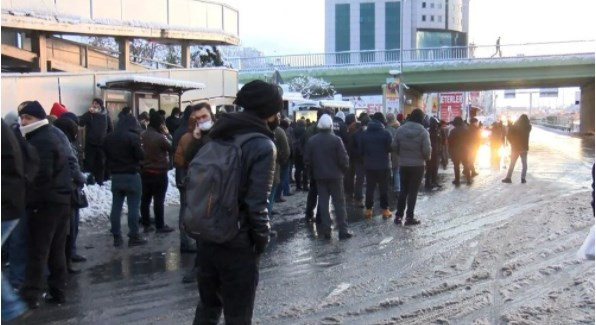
410	179
432	168
227	280
95	160
381	178
300	174
457	161
311	199
47	241
155	186
349	181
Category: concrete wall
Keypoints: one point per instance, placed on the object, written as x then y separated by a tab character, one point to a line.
586	113
136	18
77	90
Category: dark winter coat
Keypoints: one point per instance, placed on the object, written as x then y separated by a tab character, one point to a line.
172	123
412	144
74	169
283	151
123	149
394	157
13	176
97	126
298	137
375	146
519	137
258	166
354	135
194	146
326	155
157	147
458	142
340	129
52	184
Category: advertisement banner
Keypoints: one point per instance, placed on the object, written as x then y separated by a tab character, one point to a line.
451	105
391	97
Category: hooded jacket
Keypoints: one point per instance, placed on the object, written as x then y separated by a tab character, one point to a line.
412	144
375	146
326	155
458	142
258	166
123	147
97	126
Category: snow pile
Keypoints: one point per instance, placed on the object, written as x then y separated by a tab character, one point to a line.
100	200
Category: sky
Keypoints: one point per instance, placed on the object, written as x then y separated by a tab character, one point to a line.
279	27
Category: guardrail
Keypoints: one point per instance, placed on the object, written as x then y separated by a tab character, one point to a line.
380	57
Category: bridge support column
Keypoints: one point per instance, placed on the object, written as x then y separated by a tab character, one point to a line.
124	55
185	57
413	100
39	47
586	109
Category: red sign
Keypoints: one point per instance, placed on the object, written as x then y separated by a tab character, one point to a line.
451	105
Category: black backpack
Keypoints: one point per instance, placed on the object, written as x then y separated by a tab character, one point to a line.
212	189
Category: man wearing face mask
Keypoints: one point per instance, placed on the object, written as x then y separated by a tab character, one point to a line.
229	271
197	135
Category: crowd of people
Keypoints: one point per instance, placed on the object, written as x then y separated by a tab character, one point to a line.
340	158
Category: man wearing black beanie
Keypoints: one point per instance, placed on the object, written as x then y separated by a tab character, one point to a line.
48	209
229	271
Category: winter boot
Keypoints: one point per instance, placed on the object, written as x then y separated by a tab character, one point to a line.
387	214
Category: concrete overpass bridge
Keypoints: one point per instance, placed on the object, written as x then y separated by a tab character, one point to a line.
445	69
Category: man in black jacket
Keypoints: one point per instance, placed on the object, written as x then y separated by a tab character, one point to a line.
97	125
48	209
459	151
229	272
327	156
124	155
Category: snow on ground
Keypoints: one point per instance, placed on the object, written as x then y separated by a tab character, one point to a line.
100	201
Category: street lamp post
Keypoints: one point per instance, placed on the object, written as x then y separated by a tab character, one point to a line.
401	58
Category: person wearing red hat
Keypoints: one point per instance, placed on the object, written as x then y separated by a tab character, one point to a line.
57	110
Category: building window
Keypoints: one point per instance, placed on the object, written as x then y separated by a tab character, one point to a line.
392	24
440	19
342	27
432	17
423	17
367	30
423	4
440	6
432	5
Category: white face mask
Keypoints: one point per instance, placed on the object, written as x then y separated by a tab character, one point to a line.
205	126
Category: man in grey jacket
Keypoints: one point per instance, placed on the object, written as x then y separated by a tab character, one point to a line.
412	144
326	155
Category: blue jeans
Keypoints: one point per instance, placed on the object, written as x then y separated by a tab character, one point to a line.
126	186
12	305
71	243
284	181
524	159
18	252
396	184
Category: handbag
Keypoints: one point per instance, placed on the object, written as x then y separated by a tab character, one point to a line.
79	199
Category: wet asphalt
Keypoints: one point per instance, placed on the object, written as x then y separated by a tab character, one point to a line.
305	279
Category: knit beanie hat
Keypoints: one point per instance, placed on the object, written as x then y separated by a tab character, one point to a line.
378	116
58	109
260	98
34	109
350	118
70	116
341	115
325	122
156	120
417	116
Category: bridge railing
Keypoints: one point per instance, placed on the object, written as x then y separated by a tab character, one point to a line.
390	57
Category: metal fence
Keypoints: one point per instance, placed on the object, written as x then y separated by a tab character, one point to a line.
389	57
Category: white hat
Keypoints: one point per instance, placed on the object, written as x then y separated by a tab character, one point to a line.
325	122
341	115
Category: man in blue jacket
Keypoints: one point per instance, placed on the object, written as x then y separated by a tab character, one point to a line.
375	147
